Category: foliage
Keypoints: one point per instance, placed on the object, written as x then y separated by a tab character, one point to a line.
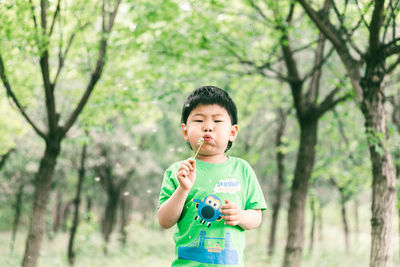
158	52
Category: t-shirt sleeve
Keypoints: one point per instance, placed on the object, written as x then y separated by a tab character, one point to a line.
169	184
254	195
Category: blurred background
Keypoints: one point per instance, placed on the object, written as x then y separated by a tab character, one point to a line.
90	100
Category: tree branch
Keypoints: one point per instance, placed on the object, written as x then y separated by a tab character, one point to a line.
55	17
11	94
52	117
313	92
329	102
112	16
319	60
96	73
392	67
5	156
258	9
392	50
43	15
375	27
361	14
326	27
62	55
35	24
33	15
346	140
61	59
296	83
391	17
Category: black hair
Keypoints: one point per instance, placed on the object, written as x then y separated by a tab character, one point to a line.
210	95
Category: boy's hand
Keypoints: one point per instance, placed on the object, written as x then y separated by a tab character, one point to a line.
233	215
187	174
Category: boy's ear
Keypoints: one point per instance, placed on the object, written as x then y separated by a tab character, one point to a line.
234	132
184	131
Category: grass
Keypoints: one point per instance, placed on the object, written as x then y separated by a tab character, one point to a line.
150	246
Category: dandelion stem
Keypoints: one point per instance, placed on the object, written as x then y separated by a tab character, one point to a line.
201	142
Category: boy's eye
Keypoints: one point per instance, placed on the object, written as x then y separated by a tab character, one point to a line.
198	121
217	121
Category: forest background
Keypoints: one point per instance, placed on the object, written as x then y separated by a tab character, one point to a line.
90	102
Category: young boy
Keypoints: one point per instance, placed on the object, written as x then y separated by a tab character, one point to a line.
212	198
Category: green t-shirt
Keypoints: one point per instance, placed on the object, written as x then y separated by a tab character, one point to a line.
202	238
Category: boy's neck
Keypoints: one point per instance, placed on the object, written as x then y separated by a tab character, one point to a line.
213	159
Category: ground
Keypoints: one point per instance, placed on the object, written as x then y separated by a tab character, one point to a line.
151	246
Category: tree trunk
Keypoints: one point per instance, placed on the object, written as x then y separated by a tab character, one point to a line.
109	219
88	208
344	220
57	212
304	166
280	181
313	219
320	224
41	195
124	220
18	203
77	202
383	184
65	215
356	219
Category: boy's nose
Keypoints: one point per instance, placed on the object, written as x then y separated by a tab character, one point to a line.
208	128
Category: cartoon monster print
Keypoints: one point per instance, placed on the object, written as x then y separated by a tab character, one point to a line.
208	209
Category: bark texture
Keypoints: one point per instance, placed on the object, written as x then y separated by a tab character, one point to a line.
369	89
304	165
17	215
41	196
280	156
77	202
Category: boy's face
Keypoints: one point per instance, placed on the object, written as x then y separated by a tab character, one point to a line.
211	122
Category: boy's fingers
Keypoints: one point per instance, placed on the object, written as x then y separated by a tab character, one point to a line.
225	207
182	174
228	211
231	218
184	167
229	205
192	163
188	165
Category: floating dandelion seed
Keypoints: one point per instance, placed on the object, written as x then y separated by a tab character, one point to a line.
97	179
200	142
126	193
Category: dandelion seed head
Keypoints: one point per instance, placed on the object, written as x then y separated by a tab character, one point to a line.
201	141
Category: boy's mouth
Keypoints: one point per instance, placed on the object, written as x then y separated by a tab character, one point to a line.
207	138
